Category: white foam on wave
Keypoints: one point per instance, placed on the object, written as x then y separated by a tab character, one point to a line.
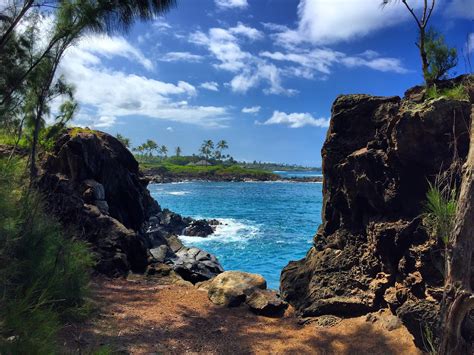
229	231
178	193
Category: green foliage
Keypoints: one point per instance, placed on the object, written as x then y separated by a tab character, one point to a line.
124	140
457	92
43	274
440	210
193	171
441	57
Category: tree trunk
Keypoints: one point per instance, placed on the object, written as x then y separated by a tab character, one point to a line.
424	57
458	298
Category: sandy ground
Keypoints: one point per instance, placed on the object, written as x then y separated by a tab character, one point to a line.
141	317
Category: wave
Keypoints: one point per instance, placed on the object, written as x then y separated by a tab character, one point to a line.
229	231
178	193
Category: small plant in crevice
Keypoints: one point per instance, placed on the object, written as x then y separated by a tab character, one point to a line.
440	209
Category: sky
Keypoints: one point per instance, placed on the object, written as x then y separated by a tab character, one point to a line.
261	74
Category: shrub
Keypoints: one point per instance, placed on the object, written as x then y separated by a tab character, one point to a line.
43	274
457	92
440	210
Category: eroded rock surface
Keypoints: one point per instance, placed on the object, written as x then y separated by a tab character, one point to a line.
93	185
371	249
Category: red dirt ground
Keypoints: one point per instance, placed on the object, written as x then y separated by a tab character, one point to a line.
140	317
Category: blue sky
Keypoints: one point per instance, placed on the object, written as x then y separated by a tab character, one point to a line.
261	74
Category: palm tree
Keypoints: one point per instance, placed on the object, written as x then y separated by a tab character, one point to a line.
150	146
206	149
178	151
221	145
164	150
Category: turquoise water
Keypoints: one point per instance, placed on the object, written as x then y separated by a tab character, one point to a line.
266	224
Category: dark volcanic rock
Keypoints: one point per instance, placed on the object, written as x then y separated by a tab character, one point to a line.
93	185
199	228
371	250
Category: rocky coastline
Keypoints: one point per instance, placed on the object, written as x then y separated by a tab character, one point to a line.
371	251
159	178
93	185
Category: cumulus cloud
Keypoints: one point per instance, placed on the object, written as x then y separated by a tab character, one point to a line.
210	85
249	70
113	46
182	57
294	120
170	129
107	94
231	4
251	110
324	22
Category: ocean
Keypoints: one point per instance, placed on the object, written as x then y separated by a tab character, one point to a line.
265	224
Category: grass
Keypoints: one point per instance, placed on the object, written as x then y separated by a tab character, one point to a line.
233	171
43	273
457	92
440	210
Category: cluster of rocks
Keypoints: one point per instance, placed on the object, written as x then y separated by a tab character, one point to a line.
233	288
371	250
93	185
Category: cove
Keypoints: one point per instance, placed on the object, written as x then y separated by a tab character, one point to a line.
265	224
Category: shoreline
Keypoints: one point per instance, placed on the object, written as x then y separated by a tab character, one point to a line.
165	179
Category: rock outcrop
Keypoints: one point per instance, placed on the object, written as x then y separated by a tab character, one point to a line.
93	185
371	250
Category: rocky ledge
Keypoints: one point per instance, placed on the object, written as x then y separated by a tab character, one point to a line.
371	250
93	185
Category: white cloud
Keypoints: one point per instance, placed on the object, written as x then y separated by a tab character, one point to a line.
106	93
251	110
108	47
325	22
170	129
249	70
295	120
210	85
460	9
181	57
321	61
231	4
249	32
105	121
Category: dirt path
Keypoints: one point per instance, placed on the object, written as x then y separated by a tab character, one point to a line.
143	318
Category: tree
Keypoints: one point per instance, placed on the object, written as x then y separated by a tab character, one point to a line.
151	146
441	58
124	140
206	149
177	151
72	19
221	145
164	151
458	299
422	22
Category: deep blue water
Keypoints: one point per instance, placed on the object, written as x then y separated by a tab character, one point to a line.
267	224
310	173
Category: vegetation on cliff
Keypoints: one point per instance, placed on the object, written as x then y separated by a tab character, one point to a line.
43	273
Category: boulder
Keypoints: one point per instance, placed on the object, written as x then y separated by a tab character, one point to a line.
198	228
266	303
231	288
195	265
